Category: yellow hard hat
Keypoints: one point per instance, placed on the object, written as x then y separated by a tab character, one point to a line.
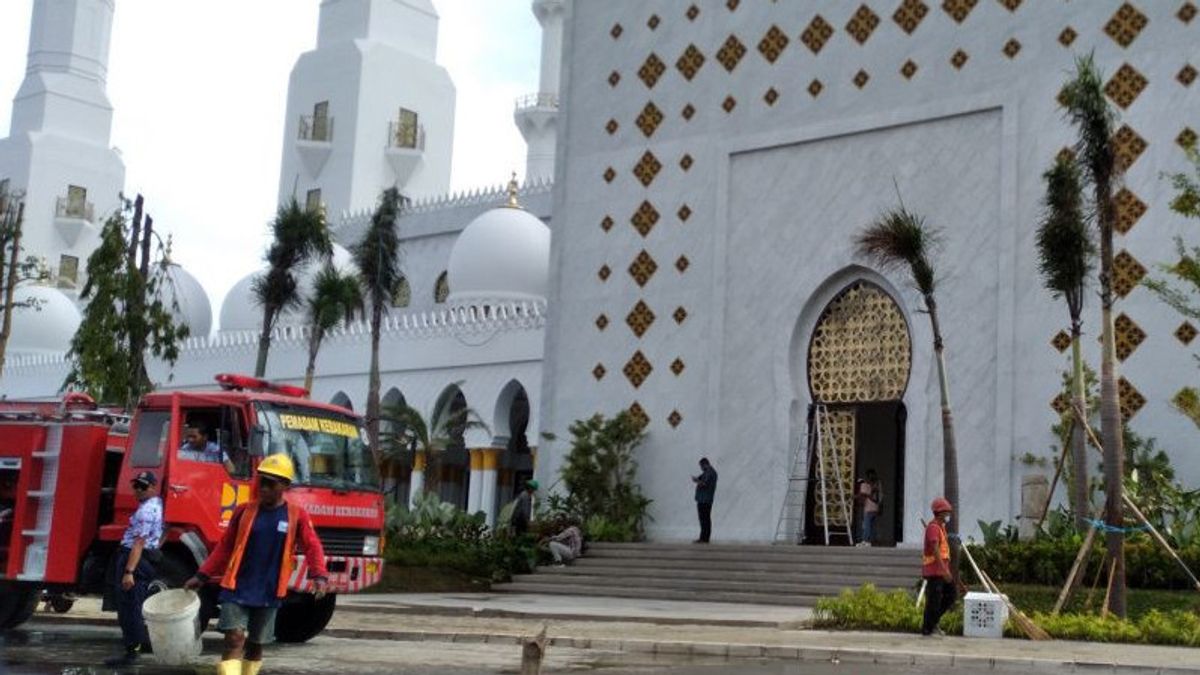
278	466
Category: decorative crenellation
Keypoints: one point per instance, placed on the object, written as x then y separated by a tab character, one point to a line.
483	196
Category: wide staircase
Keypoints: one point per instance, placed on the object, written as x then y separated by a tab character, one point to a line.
761	574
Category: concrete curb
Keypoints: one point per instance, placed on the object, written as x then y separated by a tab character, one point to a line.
485	613
739	651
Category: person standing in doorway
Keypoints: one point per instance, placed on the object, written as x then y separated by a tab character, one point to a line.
935	568
869	495
523	510
254	562
706	492
133	572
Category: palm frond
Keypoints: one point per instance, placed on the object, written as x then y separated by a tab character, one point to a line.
1066	252
1089	111
377	254
898	239
335	298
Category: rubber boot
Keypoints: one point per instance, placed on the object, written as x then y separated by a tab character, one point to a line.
230	667
251	667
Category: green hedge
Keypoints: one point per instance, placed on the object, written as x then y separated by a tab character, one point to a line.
870	609
492	558
1047	563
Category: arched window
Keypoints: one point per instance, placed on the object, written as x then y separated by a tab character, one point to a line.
441	290
343	400
403	295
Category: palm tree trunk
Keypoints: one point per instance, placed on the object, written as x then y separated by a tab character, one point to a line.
949	445
1114	458
10	287
1079	473
264	342
373	385
314	346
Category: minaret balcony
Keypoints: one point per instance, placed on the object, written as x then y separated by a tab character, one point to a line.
314	142
316	129
72	217
539	101
405	148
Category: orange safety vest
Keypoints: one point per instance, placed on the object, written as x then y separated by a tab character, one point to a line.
287	560
931	563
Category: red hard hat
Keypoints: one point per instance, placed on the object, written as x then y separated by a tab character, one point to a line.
942	505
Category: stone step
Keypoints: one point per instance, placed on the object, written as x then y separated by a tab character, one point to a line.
906	570
698	587
651	575
657	593
842	557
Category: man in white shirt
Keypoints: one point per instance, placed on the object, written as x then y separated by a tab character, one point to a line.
198	448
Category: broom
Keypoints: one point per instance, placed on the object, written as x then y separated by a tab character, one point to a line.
1026	624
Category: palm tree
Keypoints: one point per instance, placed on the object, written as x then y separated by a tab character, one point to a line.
1093	118
1065	252
378	259
411	431
901	239
299	236
335	298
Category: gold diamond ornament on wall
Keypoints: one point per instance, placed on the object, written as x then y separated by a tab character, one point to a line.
861	78
1067	36
959	59
682	264
1125	25
652	70
677	367
731	53
602	322
638	413
645	218
729	104
1125	85
647	168
653	22
643	268
610	174
637	369
816	34
1127	273
1011	5
1061	341
690	62
1130	398
686	162
814	88
680	315
1128	335
771	96
692	13
684	213
674	419
909	15
1012	48
1186	333
1130	209
649	119
862	24
959	10
688	112
1186	138
908	69
772	44
1186	75
614	78
607	223
1128	146
1186	12
640	318
604	272
599	371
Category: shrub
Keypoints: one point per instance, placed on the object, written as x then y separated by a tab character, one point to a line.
1047	562
868	608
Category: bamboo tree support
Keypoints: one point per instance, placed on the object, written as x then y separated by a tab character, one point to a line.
1073	576
1062	459
1087	606
1154	533
1112	570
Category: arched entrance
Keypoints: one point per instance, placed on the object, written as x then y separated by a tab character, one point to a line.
859	362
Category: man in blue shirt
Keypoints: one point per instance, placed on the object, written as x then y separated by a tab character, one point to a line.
197	448
133	572
706	492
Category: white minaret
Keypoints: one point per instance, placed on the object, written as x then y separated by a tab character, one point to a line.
369	108
537	114
58	151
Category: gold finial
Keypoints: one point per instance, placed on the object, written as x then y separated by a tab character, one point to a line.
513	187
321	211
170	242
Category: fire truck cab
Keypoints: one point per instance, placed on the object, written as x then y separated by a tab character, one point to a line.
65	494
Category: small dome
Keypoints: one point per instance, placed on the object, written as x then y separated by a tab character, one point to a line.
194	308
46	328
241	311
503	254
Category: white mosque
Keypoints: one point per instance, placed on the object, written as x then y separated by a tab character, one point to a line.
706	164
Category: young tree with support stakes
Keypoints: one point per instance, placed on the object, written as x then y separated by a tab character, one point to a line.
14	270
378	258
1089	111
1065	253
299	236
412	432
901	239
126	315
335	298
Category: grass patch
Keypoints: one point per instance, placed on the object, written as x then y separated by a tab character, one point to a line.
1156	617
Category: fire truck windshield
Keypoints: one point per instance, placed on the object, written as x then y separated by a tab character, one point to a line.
329	450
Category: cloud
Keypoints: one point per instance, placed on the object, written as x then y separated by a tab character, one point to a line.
200	89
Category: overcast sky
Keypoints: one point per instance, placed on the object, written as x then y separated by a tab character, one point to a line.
199	91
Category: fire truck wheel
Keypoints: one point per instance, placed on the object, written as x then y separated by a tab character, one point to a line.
172	572
61	603
16	607
303	620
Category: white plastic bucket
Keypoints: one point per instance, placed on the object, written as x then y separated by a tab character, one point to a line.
172	621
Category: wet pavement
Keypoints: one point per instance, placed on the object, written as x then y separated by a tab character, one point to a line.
45	648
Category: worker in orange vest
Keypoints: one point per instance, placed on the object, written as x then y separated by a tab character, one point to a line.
254	562
940	593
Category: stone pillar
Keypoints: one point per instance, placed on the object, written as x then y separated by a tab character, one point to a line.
1035	490
489	461
416	483
474	483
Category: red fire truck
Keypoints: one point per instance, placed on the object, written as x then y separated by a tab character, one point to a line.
65	495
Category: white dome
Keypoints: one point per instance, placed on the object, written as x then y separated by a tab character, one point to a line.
46	329
503	254
194	308
241	311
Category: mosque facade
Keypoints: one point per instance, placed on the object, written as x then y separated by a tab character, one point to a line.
704	167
